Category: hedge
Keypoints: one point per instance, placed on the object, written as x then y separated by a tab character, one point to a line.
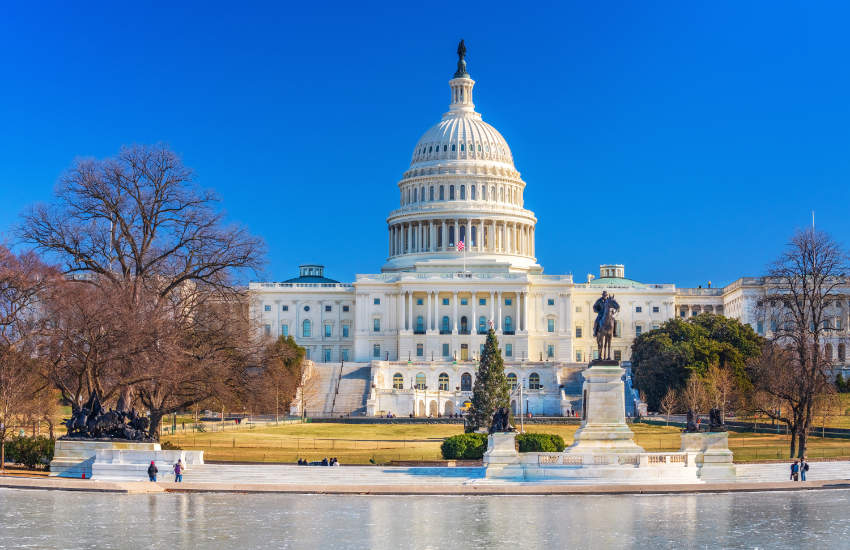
30	451
473	445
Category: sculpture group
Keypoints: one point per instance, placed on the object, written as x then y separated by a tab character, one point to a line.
92	421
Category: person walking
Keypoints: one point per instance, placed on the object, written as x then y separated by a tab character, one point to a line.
178	471
152	471
804	467
795	471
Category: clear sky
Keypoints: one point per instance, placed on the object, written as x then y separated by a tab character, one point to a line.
686	140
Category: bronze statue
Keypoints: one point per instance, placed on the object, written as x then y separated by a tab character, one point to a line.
501	422
461	62
716	422
691	426
91	421
603	328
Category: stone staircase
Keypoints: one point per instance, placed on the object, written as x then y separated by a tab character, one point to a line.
352	390
321	389
781	471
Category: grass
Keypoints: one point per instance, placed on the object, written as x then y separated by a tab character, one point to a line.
381	443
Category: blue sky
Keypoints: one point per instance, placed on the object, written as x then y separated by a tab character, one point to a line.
703	132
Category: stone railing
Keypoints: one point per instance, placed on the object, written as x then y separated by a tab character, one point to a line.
611	459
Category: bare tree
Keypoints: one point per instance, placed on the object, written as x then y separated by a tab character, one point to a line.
668	403
693	395
721	387
802	288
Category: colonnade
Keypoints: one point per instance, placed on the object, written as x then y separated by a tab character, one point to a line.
493	311
481	236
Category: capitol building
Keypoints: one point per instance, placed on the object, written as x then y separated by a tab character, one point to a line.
406	340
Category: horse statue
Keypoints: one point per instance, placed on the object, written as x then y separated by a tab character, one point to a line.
603	329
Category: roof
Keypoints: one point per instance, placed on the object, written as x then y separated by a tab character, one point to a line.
616	282
310	279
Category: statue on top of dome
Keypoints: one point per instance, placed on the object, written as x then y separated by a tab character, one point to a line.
461	62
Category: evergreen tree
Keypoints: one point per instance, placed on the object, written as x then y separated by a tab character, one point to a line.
491	389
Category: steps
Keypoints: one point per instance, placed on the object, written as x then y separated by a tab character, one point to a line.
781	471
353	390
320	389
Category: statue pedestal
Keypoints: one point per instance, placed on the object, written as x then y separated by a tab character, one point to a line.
501	453
603	427
75	457
116	460
710	452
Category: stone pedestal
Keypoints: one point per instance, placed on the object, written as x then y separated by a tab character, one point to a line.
501	458
603	427
116	460
711	454
75	457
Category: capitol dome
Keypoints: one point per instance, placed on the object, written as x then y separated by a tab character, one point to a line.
461	192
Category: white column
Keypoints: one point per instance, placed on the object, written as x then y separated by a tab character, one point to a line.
437	310
399	300
432	237
410	310
428	326
532	241
454	300
480	236
457	230
474	326
499	318
445	243
565	315
468	233
525	311
491	310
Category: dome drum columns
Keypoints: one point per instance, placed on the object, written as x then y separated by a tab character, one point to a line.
480	236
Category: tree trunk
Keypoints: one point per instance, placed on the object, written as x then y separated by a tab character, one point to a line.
3	451
802	442
793	431
156	420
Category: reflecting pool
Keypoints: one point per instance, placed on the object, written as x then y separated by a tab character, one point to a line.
59	519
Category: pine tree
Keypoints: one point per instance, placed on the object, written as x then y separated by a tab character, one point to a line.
491	389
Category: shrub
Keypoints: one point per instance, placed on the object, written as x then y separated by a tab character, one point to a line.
30	451
169	446
464	447
540	443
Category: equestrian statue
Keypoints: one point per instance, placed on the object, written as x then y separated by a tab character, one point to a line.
603	328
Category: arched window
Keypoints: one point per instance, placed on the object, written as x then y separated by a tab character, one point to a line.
472	192
306	328
431	193
466	382
474	235
420	325
446	326
442	193
420	381
439	237
482	325
534	381
464	325
444	381
422	193
509	324
398	381
462	236
502	194
512	381
462	192
841	352
483	192
828	351
451	192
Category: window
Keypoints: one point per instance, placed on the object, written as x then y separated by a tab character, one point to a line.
284	308
420	350
482	301
420	324
376	301
534	381
507	301
443	382
431	193
344	308
760	327
326	352
308	354
578	332
345	328
306	308
482	325
481	350
398	381
638	309
267	330
509	350
344	354
446	350
827	351
509	324
284	330
550	325
267	308
638	330
618	355
376	351
464	301
578	357
466	382
442	194
551	301
376	324
841	352
472	191
306	328
512	381
446	325
838	323
462	192
445	301
550	351
420	381
578	309
419	301
328	331
654	309
327	308
452	189
464	325
655	326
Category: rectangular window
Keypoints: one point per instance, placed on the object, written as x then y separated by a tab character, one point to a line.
344	308
578	309
507	301
327	308
682	314
550	351
578	332
463	301
445	301
838	323
654	309
309	354
638	309
284	308
655	326
578	357
376	351
760	327
420	350
419	301
344	354
481	350
327	354
267	330
596	354
327	331
267	308
550	325
445	350
284	330
638	330
618	355
551	301
376	301
376	325
482	301
509	350
345	329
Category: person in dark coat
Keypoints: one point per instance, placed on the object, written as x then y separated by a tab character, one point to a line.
795	471
152	471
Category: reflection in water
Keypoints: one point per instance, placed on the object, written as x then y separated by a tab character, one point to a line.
57	519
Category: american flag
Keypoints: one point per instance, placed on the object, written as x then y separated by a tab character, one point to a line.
460	246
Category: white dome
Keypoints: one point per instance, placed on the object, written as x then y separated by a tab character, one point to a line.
462	136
